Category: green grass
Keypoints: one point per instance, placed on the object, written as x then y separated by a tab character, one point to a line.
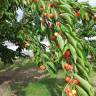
32	89
21	63
36	89
93	80
47	86
44	87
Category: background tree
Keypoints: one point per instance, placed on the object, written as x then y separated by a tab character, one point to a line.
58	21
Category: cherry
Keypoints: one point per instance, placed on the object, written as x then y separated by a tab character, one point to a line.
71	68
74	92
94	17
77	14
45	14
58	24
42	67
66	66
41	8
49	5
68	79
67	54
51	16
53	38
56	34
67	90
76	81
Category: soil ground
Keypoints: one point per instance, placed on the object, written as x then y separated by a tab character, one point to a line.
24	76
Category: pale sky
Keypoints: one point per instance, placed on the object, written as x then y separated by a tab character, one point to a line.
91	2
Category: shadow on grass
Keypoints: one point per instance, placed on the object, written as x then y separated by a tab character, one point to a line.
17	89
52	85
21	63
43	87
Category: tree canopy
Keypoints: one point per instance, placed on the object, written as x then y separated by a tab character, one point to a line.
64	23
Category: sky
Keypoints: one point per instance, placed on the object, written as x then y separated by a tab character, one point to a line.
91	2
20	14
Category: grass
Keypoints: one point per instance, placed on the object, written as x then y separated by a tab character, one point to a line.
36	89
32	89
21	63
43	87
93	76
48	87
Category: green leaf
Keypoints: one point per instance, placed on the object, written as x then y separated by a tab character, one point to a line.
45	56
63	93
66	47
60	41
66	8
79	52
82	71
67	17
71	39
51	67
85	84
42	3
81	91
55	13
73	51
43	28
81	61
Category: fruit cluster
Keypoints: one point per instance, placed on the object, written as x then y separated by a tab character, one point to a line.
56	21
69	67
70	92
71	81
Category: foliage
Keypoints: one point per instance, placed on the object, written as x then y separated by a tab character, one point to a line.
58	21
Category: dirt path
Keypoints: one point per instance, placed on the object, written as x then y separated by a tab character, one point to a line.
23	77
20	76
